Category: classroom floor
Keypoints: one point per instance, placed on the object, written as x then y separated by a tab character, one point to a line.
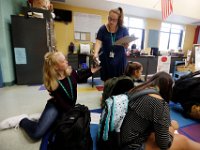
20	99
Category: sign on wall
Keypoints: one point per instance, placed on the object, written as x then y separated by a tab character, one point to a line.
87	23
20	55
164	63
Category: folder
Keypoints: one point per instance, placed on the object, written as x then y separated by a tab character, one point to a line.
125	39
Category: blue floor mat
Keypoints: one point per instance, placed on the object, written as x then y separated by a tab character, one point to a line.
94	130
96	110
176	112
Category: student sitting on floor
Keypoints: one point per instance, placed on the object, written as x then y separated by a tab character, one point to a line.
134	70
122	84
147	124
61	82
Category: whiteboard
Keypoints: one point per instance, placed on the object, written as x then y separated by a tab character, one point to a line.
87	23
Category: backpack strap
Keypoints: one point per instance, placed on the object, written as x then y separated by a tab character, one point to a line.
189	75
134	96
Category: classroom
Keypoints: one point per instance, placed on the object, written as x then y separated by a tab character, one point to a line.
162	42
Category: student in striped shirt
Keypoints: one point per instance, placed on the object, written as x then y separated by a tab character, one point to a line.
147	124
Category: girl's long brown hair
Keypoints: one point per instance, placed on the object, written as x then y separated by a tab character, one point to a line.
162	80
132	67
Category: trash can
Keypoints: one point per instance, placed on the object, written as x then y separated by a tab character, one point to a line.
1	78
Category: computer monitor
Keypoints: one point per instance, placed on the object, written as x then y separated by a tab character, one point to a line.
154	51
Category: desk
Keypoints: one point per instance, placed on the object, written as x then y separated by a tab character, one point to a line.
75	60
150	63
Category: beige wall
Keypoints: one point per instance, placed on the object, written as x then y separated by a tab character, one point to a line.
189	37
64	33
150	24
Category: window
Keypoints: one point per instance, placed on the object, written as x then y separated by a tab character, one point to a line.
171	36
135	26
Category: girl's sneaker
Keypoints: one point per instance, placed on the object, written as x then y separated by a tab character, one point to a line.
12	122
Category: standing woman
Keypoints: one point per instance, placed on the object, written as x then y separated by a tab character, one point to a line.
112	57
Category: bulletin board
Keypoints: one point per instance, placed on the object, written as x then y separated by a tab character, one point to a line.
86	23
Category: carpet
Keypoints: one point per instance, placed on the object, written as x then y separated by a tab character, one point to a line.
93	131
95	117
176	112
97	82
99	87
187	126
191	131
96	110
42	88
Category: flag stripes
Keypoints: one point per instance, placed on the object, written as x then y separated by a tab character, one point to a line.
167	8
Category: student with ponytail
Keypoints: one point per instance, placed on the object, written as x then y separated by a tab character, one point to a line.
60	80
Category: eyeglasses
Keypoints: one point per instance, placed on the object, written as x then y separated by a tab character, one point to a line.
112	19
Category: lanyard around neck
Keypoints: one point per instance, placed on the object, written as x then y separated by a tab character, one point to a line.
71	88
113	36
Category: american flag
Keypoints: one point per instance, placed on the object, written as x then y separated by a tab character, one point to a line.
167	8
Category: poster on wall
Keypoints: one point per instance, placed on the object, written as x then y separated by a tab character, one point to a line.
20	55
164	63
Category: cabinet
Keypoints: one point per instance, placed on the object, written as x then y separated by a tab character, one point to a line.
150	63
73	60
30	34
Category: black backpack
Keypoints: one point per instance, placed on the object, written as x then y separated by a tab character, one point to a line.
72	132
114	141
116	86
186	91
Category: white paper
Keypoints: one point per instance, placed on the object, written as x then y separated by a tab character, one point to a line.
83	36
20	55
85	48
164	63
95	118
126	39
77	36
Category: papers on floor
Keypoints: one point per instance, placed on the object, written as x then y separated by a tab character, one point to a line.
95	118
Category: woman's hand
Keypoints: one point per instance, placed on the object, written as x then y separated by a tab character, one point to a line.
128	52
95	69
125	45
95	56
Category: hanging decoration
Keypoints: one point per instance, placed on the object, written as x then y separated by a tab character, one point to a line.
166	8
